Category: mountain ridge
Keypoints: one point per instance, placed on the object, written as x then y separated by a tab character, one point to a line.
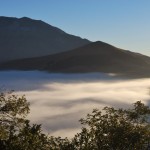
94	57
25	37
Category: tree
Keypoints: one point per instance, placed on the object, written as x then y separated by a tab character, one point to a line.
13	110
16	133
109	129
115	129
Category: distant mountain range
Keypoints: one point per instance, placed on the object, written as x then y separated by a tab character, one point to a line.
25	37
93	57
27	44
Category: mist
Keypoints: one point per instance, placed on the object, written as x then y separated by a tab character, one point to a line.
58	101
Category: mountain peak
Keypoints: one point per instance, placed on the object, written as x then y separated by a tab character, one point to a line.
103	44
25	18
29	19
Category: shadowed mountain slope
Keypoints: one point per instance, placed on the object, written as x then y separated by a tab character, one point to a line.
25	37
94	57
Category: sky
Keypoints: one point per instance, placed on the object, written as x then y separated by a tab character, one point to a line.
122	23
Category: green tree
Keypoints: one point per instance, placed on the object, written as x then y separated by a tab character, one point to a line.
13	110
109	129
115	129
16	133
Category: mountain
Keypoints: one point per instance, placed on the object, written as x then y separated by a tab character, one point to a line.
93	57
25	37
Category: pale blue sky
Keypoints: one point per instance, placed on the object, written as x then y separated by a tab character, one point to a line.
123	23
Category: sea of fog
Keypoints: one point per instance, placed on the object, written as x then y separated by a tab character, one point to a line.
58	101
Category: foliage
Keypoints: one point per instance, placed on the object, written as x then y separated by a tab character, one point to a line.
115	129
15	130
109	129
13	110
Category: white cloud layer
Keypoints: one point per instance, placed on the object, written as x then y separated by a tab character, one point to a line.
58	101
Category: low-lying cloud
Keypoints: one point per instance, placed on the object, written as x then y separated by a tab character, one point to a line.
58	101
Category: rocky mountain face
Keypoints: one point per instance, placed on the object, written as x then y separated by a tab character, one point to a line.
27	38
